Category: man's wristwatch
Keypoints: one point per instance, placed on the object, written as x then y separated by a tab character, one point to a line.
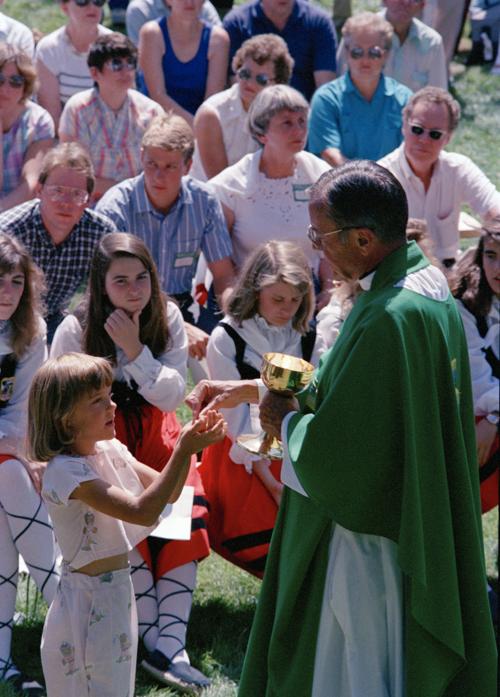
493	418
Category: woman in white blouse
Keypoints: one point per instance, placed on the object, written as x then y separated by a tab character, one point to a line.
265	195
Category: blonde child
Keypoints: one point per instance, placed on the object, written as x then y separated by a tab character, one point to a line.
102	502
268	310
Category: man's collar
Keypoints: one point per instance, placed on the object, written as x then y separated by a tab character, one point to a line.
397	264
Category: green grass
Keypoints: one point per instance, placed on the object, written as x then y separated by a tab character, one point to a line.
225	598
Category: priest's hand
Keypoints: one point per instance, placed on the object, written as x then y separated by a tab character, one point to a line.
273	409
221	394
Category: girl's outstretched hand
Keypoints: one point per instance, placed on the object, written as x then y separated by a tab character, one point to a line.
205	430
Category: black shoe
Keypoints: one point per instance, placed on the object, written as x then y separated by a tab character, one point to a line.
476	56
24	686
180	675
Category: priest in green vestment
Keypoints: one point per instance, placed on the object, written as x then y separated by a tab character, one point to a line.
375	584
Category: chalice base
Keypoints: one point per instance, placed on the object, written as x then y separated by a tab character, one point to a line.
261	445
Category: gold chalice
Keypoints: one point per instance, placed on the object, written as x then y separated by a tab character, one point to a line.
284	375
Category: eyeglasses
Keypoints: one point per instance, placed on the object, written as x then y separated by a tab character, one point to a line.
374	52
84	3
119	64
418	131
58	194
15	81
261	78
316	238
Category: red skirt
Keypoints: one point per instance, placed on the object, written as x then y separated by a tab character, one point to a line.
242	512
158	434
489	476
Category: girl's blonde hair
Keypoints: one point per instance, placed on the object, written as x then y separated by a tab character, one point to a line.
57	387
273	262
24	321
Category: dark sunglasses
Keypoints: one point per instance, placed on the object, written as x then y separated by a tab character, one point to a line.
119	64
374	52
16	81
84	3
261	78
434	134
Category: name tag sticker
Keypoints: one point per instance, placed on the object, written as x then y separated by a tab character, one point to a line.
301	192
184	259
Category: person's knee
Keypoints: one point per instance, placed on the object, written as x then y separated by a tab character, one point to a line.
13	475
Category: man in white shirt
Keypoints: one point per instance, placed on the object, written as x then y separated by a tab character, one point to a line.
436	182
16	33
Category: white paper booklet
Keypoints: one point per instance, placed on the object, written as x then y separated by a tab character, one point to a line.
175	521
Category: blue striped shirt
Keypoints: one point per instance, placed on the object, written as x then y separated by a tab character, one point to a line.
194	224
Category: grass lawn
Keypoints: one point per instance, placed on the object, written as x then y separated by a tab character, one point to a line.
225	598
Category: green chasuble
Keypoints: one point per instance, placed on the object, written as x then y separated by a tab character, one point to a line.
385	446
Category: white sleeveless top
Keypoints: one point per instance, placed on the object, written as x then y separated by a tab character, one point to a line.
235	133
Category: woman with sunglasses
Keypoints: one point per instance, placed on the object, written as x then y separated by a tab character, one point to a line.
220	124
61	57
265	195
110	119
26	129
183	59
358	115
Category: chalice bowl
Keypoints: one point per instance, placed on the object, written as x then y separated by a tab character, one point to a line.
284	375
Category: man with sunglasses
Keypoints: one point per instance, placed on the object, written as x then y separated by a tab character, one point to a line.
437	183
58	229
307	30
109	120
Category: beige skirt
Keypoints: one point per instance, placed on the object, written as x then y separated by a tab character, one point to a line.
89	640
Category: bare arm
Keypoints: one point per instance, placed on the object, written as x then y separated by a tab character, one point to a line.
218	57
223	275
25	190
323	76
222	394
151	50
166	487
333	156
48	94
208	134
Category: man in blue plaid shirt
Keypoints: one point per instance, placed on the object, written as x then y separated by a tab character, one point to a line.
57	229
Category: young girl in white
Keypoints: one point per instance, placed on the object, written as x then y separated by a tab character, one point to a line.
268	310
102	502
24	524
125	317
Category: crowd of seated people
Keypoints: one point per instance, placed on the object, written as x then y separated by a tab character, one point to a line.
177	161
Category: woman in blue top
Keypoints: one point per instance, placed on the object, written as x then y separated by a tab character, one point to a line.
183	60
